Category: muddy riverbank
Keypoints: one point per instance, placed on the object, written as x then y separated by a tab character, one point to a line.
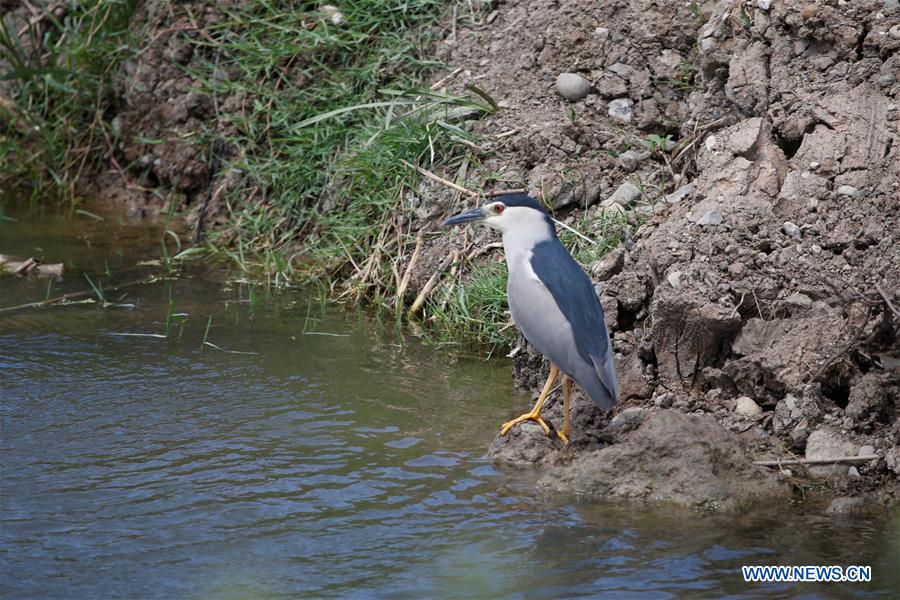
747	154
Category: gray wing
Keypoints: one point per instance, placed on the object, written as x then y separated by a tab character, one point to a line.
560	315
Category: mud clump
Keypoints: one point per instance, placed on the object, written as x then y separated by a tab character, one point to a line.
689	460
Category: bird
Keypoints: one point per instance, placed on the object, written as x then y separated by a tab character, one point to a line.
552	301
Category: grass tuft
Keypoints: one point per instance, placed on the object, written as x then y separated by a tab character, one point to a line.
59	77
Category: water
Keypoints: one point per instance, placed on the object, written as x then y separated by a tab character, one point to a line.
348	463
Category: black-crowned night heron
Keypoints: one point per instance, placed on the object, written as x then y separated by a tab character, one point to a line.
553	302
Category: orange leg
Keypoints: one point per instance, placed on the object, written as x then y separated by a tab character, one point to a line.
567	392
535	414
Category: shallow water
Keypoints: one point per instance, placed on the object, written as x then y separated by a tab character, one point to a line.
333	457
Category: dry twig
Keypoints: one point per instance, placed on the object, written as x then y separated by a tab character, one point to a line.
816	461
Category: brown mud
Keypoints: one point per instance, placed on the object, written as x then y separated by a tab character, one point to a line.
759	300
754	304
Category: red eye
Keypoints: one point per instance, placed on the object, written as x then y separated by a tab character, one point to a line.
499	208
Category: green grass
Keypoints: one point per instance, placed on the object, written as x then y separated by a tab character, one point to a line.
60	80
330	114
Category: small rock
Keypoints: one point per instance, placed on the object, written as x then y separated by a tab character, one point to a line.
622	70
792	230
867	450
674	279
823	444
847	190
628	419
611	264
891	5
814	165
853	473
625	195
572	87
799	300
764	4
629	160
790	410
621	109
710	217
664	400
746	407
680	194
894	32
602	33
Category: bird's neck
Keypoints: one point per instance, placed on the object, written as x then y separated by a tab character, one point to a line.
517	243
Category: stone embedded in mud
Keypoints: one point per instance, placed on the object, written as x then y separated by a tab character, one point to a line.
847	190
610	265
628	419
625	195
845	504
680	194
710	217
621	109
798	300
747	407
827	443
674	279
792	230
630	160
689	460
572	87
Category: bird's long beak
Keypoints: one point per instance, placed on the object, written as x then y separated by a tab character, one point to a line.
475	214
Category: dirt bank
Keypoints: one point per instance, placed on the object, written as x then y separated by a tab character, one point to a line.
760	293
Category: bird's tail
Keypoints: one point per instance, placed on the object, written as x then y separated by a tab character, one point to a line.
606	372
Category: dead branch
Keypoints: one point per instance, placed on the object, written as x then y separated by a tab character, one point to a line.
816	461
440	180
431	283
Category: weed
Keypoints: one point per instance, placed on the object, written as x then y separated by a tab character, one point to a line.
61	89
334	111
98	289
475	311
656	143
206	332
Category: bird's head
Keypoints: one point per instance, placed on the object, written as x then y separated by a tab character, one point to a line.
507	213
